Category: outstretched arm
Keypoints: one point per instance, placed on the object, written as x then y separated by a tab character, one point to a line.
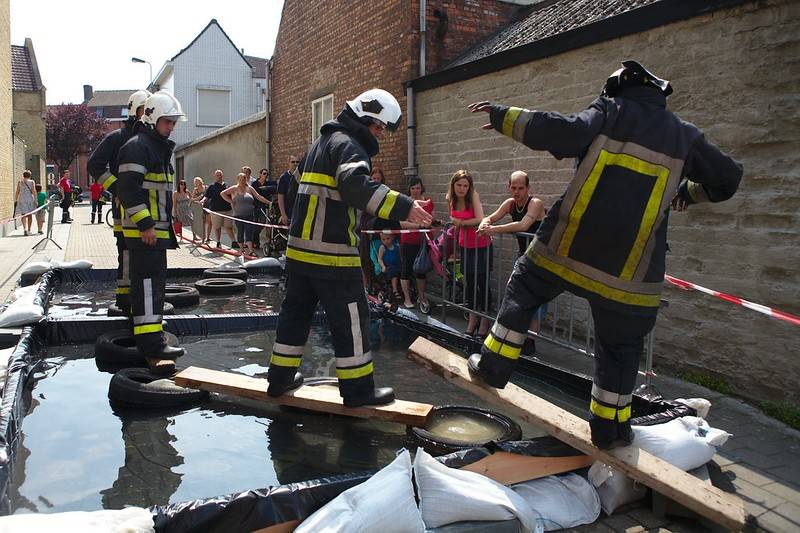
710	175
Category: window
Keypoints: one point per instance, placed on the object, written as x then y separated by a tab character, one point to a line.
124	112
213	107
99	111
321	112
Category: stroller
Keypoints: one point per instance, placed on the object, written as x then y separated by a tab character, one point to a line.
277	239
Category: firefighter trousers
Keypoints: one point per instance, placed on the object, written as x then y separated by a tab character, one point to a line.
148	271
123	276
619	342
347	313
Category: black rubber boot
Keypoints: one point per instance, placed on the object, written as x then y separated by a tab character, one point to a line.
379	396
488	377
609	434
276	389
168	352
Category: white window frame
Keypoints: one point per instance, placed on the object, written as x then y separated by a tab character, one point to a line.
319	102
197	104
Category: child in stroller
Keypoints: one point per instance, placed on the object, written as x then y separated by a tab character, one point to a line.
385	262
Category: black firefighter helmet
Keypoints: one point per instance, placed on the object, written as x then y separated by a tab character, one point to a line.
632	74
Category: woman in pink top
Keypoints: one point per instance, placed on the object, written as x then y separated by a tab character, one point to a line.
410	244
466	213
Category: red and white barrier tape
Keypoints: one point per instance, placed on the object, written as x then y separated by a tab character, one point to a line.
201	244
769	311
395	231
26	214
262	224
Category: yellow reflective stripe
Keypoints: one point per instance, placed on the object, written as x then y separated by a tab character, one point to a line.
123	290
661	173
153	203
109	181
581	204
156	176
351	228
323	259
388	204
136	217
354	373
509	120
311	212
147	328
318	179
579	280
279	360
610	413
160	234
495	346
117	227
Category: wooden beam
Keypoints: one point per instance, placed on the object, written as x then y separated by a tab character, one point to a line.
706	500
283	527
509	468
325	399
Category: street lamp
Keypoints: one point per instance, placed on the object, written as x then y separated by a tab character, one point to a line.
137	60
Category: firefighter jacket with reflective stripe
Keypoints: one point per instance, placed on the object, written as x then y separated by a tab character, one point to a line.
606	236
103	165
145	187
334	185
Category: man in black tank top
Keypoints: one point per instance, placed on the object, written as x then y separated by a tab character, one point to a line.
526	212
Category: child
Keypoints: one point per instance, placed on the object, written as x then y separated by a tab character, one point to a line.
41	198
389	260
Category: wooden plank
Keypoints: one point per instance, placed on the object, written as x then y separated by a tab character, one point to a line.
283	527
509	468
325	399
161	366
706	500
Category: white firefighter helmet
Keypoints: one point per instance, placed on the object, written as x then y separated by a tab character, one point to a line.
136	100
162	104
379	105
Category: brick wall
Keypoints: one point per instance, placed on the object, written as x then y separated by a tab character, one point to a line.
735	75
6	172
328	47
29	113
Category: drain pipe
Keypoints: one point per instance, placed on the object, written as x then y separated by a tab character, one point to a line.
411	169
268	110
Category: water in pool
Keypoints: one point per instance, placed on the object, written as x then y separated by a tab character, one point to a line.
78	452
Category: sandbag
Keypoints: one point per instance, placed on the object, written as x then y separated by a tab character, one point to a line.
562	501
263	262
384	503
5	356
24	292
35	268
22	312
79	263
128	520
449	495
687	443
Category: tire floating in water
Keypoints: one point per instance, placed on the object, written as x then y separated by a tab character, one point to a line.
238	273
140	387
220	286
459	427
181	295
119	348
113	310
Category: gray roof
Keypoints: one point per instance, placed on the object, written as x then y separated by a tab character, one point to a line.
110	98
259	65
547	19
22	76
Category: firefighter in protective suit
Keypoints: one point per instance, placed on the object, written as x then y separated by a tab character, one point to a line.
145	192
322	259
103	166
605	238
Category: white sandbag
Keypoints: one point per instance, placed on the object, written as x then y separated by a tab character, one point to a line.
561	501
128	520
5	356
384	503
21	312
686	442
450	495
80	263
24	292
262	262
36	267
700	405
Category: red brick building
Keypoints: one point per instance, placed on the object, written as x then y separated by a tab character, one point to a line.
329	51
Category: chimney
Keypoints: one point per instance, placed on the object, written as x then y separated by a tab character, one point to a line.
88	93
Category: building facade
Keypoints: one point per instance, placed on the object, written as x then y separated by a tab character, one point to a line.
739	86
215	83
6	146
29	108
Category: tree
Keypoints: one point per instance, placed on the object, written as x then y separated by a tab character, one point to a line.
71	129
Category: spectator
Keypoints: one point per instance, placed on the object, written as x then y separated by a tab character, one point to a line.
466	212
410	244
389	260
199	218
65	186
95	193
285	196
219	206
181	209
25	200
267	188
41	199
242	197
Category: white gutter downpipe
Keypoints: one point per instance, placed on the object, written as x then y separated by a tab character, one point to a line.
411	169
268	109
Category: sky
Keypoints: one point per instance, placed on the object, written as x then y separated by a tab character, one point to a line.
81	42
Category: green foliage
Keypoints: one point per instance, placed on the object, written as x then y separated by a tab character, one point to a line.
783	411
708	381
71	128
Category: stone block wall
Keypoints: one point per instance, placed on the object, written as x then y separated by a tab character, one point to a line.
6	171
735	75
29	114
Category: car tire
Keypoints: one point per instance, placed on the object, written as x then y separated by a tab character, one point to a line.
506	429
238	273
181	295
113	310
142	388
220	286
118	347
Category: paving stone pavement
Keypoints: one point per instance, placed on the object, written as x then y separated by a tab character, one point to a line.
761	461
